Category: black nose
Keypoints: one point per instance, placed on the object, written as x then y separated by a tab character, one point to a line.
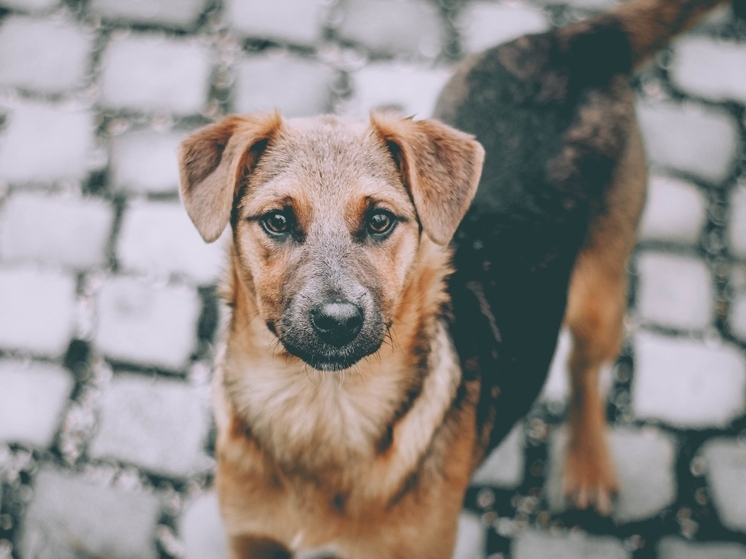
337	322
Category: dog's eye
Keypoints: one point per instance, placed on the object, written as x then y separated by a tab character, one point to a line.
380	223
276	223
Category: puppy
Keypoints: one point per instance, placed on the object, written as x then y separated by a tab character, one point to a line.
389	322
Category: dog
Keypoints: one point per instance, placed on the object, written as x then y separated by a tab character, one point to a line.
392	314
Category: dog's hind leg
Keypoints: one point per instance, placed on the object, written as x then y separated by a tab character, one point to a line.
595	312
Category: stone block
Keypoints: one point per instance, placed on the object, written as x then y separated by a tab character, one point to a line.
470	538
45	143
30	5
672	547
143	323
172	13
32	398
674	291
700	141
201	528
393	26
37	310
68	230
410	90
504	466
296	86
159	238
43	55
675	211
726	477
270	20
159	425
146	161
71	517
737	222
538	545
711	69
687	383
737	316
486	24
152	73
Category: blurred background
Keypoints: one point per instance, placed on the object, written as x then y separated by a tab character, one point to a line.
108	312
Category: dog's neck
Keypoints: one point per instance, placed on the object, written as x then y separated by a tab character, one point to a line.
319	421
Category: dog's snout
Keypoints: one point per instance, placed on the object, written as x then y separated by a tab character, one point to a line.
337	322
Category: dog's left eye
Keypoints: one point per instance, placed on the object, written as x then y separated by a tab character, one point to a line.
380	223
276	223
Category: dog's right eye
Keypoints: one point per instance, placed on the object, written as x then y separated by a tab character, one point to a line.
276	223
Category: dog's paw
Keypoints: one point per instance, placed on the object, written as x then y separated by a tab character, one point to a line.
589	480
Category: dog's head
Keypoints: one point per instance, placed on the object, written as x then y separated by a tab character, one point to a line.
328	217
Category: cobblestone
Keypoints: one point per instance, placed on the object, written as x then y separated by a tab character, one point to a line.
737	229
142	323
43	55
268	20
470	538
32	397
268	82
504	466
485	24
158	238
408	27
699	141
30	5
726	477
738	316
145	161
687	383
538	545
404	88
78	239
674	291
676	548
176	13
159	425
45	143
71	517
201	528
152	73
40	307
701	66
675	211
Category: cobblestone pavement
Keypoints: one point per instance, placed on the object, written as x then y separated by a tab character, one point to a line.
107	301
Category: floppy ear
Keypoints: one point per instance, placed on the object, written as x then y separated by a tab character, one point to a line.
212	162
439	165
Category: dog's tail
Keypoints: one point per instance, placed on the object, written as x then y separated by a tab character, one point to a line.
623	38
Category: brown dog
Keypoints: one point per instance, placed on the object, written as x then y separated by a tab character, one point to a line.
361	379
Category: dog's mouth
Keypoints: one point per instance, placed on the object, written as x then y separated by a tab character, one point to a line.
330	361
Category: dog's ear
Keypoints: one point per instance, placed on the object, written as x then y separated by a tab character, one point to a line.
213	161
439	165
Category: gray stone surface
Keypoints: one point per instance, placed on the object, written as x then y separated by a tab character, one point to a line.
687	383
674	291
470	538
37	310
407	89
146	161
43	55
643	461
146	72
485	24
726	478
285	21
393	26
30	5
45	143
158	238
705	68
539	545
201	528
32	397
296	86
504	466
677	548
143	323
737	223
675	211
737	315
700	141
71	517
78	238
159	425
177	13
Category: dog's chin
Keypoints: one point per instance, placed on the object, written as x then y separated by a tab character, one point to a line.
330	359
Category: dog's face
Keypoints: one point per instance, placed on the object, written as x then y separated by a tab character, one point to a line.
327	218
